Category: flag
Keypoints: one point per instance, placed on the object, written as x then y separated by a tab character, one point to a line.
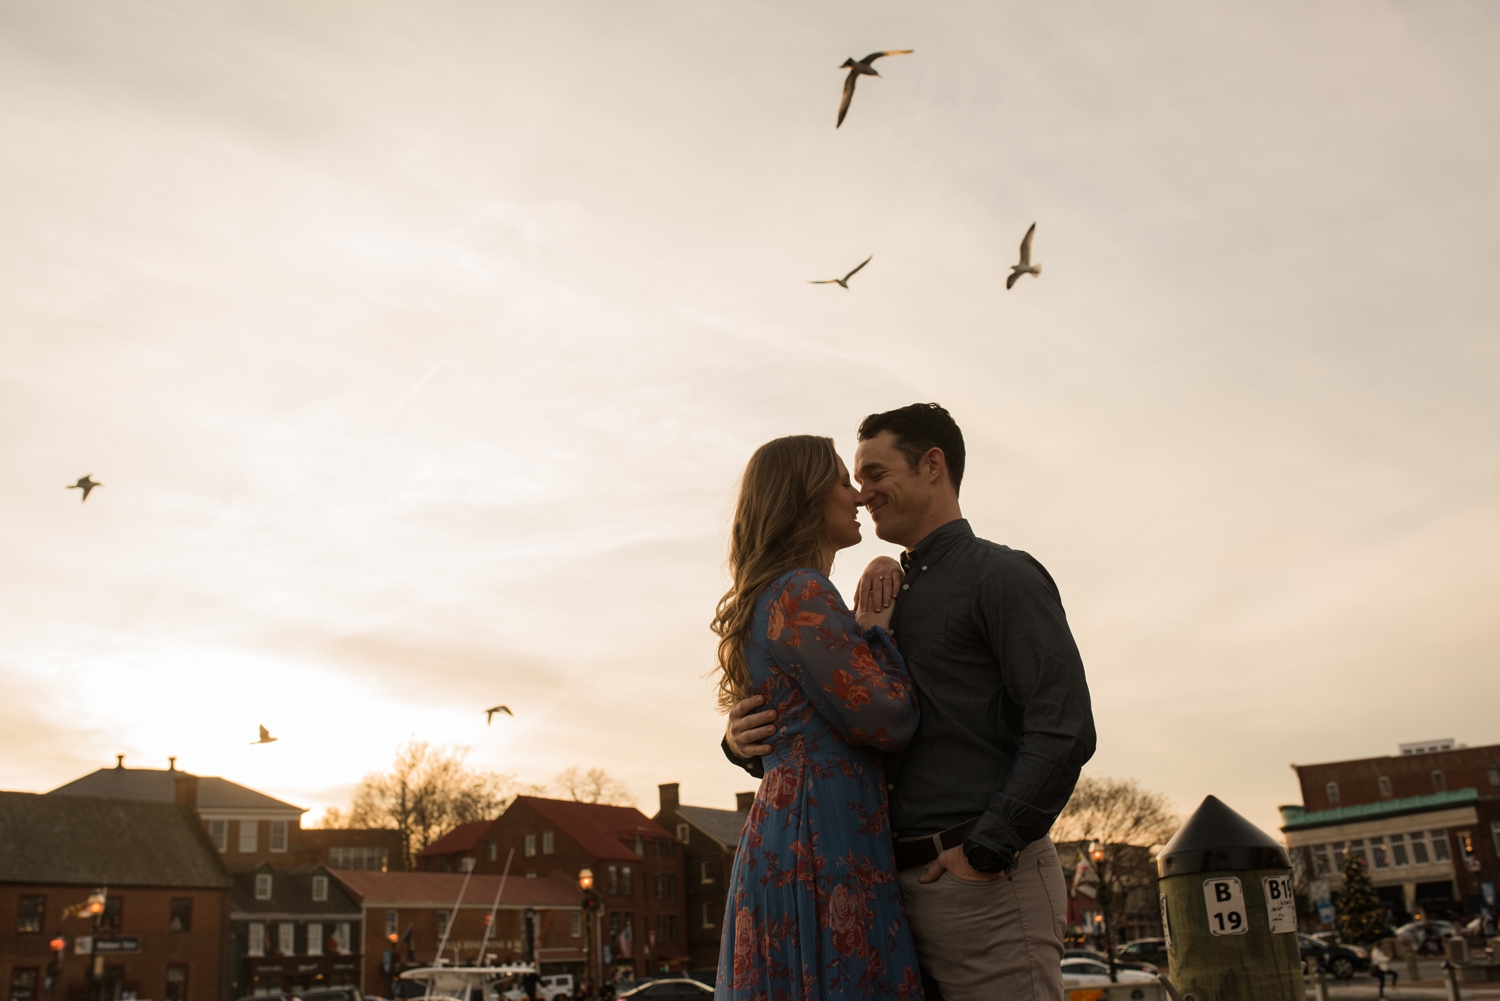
1085	879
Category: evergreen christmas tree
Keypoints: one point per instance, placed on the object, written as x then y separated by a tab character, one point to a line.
1361	914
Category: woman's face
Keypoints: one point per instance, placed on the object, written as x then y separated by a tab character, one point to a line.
841	512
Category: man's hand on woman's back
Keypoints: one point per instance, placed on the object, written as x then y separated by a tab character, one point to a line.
749	730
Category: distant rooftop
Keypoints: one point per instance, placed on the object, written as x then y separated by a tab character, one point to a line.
159	785
1298	818
462	838
1430	746
724	826
85	841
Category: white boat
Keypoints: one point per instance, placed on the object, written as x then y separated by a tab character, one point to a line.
458	983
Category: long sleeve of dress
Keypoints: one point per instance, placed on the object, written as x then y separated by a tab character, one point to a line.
853	677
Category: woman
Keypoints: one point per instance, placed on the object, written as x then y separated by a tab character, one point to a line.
814	909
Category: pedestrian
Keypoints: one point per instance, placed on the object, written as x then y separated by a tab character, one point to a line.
1380	966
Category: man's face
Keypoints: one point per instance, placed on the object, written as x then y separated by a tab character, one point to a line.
896	495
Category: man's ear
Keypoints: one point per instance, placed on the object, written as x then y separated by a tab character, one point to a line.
934	465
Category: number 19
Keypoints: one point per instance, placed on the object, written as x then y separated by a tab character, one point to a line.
1235	920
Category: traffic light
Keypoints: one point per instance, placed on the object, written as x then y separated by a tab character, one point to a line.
591	902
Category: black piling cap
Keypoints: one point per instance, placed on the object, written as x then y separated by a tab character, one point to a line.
1216	839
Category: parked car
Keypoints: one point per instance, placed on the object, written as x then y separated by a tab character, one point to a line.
1143	950
547	988
1343	961
334	994
1092	973
676	987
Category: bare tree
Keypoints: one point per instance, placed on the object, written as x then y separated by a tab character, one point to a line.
1129	823
428	791
593	786
333	819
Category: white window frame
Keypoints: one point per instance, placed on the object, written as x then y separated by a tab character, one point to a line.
343	938
1332	789
705	872
251	828
1439	781
278	836
442	924
1495	835
491	851
320	888
255	939
708	916
1399	858
1321	866
1384	782
1418	842
577	924
1494	776
682	833
392	923
286	939
314	938
263	886
529	848
627	882
549	843
218	831
1441	850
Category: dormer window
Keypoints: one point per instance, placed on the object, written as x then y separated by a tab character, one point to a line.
1439	783
1385	786
320	888
1333	794
263	886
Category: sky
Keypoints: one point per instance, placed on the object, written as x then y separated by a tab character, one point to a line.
419	348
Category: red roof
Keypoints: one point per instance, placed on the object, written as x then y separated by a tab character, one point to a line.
598	828
440	889
462	838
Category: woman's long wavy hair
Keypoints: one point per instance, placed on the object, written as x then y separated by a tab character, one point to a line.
778	527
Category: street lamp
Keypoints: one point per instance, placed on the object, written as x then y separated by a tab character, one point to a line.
591	910
1106	897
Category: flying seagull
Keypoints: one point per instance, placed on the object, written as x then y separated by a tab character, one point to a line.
85	483
1025	267
265	736
844	281
489	714
862	67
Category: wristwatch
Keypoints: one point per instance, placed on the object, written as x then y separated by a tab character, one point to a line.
982	859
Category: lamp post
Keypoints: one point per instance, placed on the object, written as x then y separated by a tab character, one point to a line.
593	953
95	908
1106	897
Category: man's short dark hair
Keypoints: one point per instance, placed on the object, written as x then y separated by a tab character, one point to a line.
918	428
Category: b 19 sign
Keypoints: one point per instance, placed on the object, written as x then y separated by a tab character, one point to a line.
1226	906
1281	907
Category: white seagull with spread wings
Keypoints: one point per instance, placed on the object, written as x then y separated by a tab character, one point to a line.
1025	267
858	69
843	282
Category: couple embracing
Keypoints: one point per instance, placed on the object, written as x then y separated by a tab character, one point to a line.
914	751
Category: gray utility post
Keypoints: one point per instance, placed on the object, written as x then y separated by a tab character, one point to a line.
1227	911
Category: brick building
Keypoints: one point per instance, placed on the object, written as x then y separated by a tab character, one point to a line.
245	826
1426	821
637	866
163	932
416	908
709	840
291	930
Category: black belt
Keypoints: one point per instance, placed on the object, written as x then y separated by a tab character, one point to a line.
921	851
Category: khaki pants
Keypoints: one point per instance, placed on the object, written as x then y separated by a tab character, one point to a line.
999	940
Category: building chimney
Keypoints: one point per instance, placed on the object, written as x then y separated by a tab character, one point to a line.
119	761
171	762
743	801
185	790
668	791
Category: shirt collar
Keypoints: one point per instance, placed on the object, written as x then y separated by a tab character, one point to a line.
937	542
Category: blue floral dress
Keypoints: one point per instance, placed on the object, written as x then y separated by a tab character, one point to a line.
814	909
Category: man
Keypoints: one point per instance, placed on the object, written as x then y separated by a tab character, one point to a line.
1006	722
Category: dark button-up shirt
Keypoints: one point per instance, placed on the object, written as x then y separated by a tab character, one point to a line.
1006	724
1006	720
